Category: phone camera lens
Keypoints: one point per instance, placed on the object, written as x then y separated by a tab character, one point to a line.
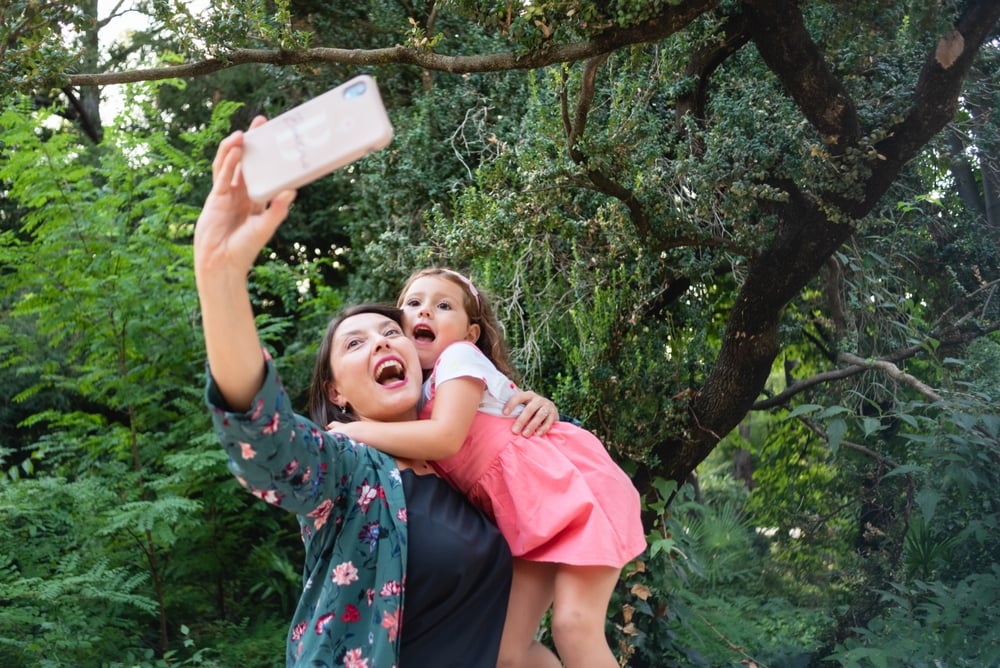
355	91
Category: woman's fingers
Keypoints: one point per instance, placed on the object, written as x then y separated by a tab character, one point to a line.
543	417
538	415
277	211
223	152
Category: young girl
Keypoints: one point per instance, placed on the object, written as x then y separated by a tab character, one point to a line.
569	513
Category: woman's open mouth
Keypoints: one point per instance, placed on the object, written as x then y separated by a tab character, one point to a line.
389	371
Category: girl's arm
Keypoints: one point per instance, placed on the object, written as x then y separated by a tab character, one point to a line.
229	235
440	436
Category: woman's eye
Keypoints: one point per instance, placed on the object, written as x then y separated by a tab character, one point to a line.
392	331
352	343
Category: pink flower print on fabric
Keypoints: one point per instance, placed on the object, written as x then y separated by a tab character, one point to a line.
366	494
323	622
271	428
247	451
353	659
258	410
351	614
390	622
345	573
298	631
321	513
268	495
290	468
391	588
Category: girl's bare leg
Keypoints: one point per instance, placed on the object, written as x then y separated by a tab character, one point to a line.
531	593
582	594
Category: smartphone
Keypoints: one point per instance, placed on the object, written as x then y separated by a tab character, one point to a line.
315	138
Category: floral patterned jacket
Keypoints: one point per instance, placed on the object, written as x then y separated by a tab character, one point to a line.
349	502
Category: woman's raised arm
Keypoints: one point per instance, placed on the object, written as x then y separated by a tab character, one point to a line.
230	233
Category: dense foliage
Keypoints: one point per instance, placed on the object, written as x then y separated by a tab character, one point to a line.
630	213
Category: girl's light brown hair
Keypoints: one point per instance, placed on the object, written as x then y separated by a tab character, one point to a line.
477	307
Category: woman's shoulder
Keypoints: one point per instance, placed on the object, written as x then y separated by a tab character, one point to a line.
288	460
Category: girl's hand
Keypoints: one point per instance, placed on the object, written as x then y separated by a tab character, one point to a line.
341	428
538	415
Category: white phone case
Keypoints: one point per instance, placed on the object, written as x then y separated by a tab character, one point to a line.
313	139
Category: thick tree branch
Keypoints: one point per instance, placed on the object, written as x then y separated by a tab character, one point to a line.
802	385
961	171
574	130
673	19
576	126
781	37
857	364
802	242
986	291
893	372
426	75
935	99
93	132
704	62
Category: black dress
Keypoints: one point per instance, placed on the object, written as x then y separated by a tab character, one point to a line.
457	579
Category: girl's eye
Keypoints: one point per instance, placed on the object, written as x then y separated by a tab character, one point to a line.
444	306
411	303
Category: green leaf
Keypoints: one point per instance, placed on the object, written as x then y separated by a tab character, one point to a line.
835	432
803	409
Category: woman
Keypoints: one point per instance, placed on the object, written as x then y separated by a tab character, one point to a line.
377	530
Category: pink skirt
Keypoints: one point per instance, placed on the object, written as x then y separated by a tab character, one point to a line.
556	498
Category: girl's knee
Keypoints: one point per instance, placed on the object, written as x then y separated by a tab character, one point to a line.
576	626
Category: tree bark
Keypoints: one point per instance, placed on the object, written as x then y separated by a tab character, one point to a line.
805	236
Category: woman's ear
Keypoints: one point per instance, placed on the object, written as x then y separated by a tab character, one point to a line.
473	334
335	397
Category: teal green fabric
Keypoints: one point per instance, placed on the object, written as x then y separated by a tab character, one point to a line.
349	501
